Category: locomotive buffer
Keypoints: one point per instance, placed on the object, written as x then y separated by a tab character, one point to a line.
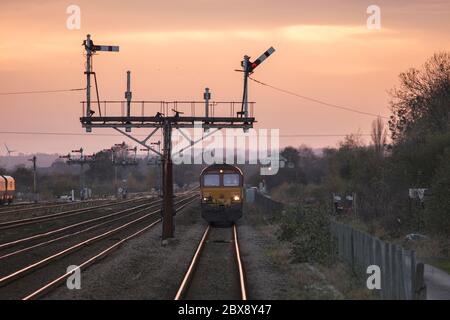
166	123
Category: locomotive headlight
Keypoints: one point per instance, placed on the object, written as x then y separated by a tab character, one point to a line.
236	198
205	199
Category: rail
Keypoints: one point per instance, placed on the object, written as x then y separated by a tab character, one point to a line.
187	279
181	204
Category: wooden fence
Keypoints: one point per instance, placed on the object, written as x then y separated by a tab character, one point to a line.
401	276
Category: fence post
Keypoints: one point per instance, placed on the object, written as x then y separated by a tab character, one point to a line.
412	274
401	274
348	245
387	266
368	251
372	250
352	247
333	240
394	266
379	263
420	289
361	249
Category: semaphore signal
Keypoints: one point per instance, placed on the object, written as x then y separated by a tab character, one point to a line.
163	119
90	50
247	68
261	58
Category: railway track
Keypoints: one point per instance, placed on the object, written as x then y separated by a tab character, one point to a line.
63	214
18	205
72	229
27	207
31	266
216	270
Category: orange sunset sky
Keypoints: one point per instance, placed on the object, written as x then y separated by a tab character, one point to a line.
176	48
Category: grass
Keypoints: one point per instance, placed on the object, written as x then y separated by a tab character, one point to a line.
440	263
312	280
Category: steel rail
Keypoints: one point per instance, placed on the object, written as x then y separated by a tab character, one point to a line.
58	230
33	206
19	273
192	266
51	285
19	206
184	286
72	234
133	212
53	216
240	266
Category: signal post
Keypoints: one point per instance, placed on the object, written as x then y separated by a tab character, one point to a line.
124	124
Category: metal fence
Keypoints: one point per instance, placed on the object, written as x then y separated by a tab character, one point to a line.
272	206
401	277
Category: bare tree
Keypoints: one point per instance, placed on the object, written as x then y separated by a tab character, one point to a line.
420	104
379	135
352	141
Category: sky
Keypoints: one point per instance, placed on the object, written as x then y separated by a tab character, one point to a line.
174	49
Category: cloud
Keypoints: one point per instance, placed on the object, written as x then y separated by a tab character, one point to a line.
326	33
304	33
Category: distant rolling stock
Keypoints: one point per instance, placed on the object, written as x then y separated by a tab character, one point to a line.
7	189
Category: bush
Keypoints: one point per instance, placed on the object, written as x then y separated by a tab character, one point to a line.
308	228
438	207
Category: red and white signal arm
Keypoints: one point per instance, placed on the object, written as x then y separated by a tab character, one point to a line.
105	48
261	58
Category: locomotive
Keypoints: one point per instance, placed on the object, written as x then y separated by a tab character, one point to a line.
222	192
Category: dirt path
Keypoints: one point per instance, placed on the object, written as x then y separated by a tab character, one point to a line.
438	283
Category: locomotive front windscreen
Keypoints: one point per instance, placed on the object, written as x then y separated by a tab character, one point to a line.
231	180
211	180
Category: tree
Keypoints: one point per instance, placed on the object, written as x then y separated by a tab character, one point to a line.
292	155
378	136
292	173
420	105
312	165
352	141
102	168
24	178
438	208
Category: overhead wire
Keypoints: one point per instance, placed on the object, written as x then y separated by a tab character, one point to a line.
40	91
317	100
143	135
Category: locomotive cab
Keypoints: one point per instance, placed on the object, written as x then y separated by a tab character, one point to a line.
222	194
